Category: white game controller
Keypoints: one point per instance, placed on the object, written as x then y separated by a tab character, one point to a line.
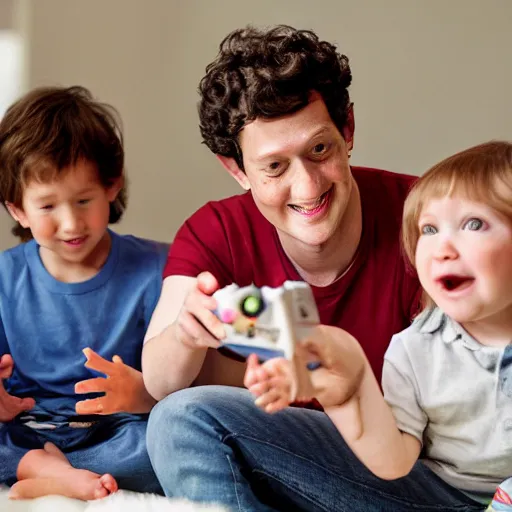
266	321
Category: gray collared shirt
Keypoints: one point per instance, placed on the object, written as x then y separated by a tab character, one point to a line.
455	396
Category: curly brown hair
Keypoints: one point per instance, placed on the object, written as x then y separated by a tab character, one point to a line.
268	73
50	129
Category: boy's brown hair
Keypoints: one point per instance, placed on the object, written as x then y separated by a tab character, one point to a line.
50	129
482	174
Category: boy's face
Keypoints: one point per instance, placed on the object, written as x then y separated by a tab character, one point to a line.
68	217
298	170
464	260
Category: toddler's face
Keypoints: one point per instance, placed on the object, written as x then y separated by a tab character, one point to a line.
464	259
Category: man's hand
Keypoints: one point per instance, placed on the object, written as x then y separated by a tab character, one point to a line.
196	326
123	387
10	406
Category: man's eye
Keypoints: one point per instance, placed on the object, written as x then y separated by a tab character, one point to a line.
274	166
46	207
428	229
84	201
474	224
321	149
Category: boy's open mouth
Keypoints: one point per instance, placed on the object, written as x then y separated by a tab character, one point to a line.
452	282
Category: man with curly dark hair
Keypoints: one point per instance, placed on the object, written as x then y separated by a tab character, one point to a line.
276	111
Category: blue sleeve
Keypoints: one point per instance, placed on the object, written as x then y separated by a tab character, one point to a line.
4	347
11	268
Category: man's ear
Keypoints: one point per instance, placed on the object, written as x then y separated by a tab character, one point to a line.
17	214
114	188
348	129
232	167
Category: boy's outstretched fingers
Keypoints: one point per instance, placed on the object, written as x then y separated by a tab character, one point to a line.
90	406
95	385
96	362
123	388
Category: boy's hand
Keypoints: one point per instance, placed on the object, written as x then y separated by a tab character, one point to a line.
272	383
123	387
196	326
10	406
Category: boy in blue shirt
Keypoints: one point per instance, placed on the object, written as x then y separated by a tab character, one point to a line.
73	288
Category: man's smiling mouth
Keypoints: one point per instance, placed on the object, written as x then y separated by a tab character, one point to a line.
314	207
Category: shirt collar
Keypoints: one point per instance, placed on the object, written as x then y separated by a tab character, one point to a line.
434	320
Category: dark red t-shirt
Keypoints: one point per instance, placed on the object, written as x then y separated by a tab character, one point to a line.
375	299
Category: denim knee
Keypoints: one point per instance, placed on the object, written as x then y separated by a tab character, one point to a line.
163	423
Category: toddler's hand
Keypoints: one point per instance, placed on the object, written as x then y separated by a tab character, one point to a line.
123	387
340	355
10	406
196	326
272	383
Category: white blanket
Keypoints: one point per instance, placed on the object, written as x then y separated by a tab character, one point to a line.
122	501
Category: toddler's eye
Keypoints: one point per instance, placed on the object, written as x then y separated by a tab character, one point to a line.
474	224
428	229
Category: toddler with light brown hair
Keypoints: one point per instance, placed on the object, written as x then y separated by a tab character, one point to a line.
447	379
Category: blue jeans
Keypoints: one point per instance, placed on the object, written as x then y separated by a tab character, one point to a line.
212	444
116	445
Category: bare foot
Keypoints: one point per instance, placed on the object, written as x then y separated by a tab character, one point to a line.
53	450
76	483
48	471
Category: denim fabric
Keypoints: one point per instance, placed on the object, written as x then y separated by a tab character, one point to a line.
115	445
212	444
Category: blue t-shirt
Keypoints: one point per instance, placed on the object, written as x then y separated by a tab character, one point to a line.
45	323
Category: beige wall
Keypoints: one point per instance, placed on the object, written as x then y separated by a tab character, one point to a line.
430	77
6	14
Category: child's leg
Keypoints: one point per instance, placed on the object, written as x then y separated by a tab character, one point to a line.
47	471
119	448
10	455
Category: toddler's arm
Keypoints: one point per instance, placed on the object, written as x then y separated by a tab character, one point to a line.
360	412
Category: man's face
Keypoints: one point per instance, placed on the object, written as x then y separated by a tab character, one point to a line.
298	171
